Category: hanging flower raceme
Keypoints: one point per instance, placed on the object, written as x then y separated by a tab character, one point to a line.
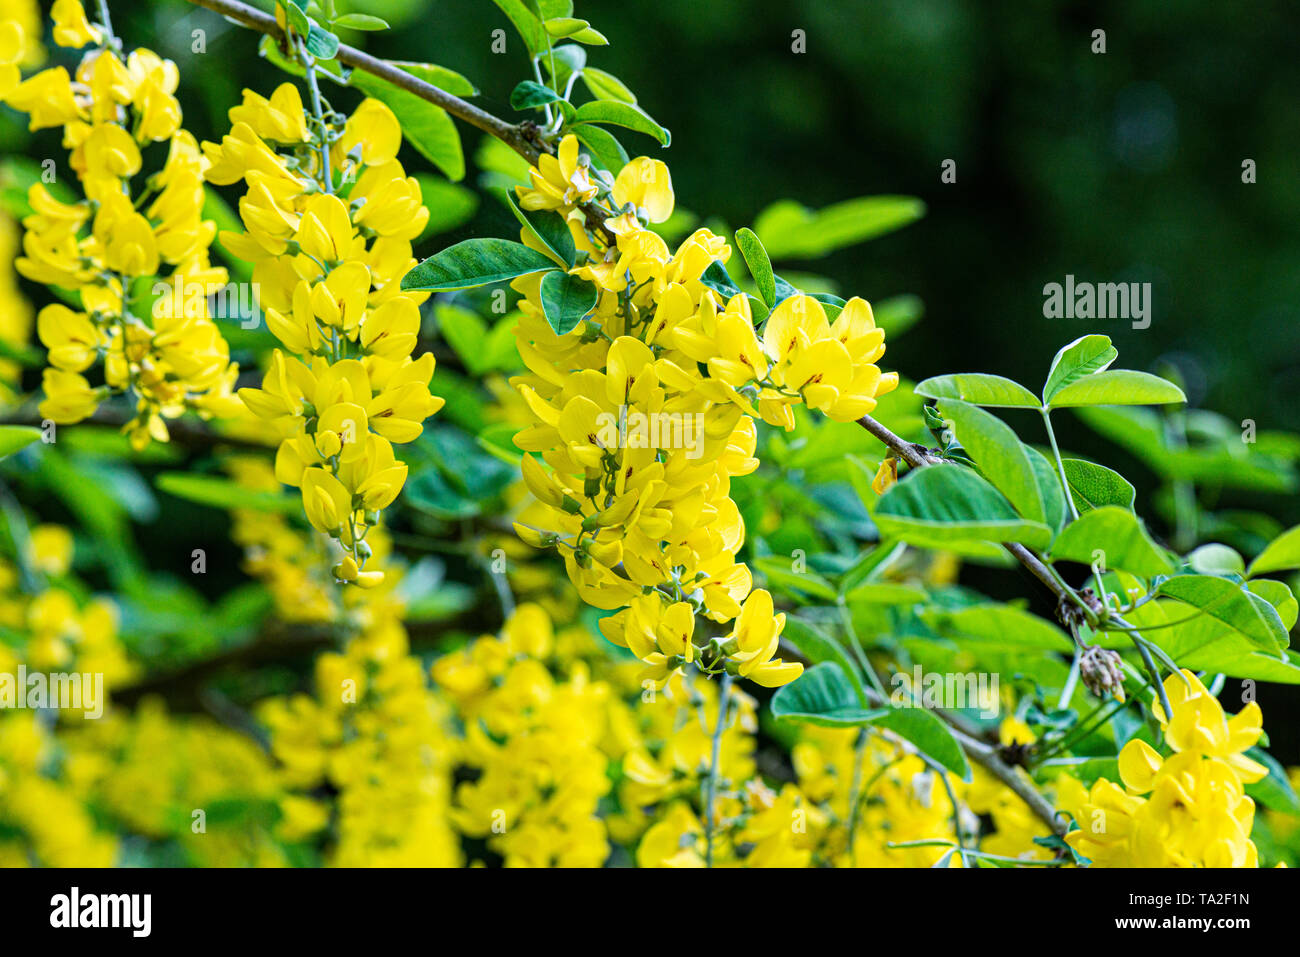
329	217
645	411
1186	810
123	242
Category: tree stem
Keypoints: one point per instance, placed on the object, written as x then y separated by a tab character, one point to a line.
711	783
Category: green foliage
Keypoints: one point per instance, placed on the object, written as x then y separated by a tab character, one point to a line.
1117	538
824	696
15	437
475	262
566	300
936	507
792	231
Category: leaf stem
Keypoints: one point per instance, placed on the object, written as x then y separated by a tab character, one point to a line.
711	783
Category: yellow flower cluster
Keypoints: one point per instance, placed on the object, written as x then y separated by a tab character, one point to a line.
59	632
329	217
151	771
43	821
899	798
533	743
67	787
111	245
1186	810
376	736
291	565
646	411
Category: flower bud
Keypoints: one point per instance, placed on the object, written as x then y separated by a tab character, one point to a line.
1100	672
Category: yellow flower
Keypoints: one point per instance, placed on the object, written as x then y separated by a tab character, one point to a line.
559	182
47	98
328	267
71	28
648	186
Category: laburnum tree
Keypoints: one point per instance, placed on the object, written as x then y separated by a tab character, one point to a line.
662	564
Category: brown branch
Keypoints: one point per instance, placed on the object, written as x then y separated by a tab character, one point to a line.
524	138
283	643
985	755
517	137
918	456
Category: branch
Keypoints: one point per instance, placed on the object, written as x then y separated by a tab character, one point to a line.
282	643
521	137
524	138
918	456
986	757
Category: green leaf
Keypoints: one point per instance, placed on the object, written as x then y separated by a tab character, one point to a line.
790	230
817	646
548	228
1049	487
1117	387
760	267
940	504
979	388
566	300
719	280
1082	357
224	493
606	86
605	150
1001	625
1281	554
823	695
444	78
321	43
591	37
1000	455
621	114
561	27
297	18
1217	559
526	19
475	262
778	572
1230	604
15	437
426	127
530	94
359	21
567	59
930	735
1121	538
1274	791
1280	596
1094	486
